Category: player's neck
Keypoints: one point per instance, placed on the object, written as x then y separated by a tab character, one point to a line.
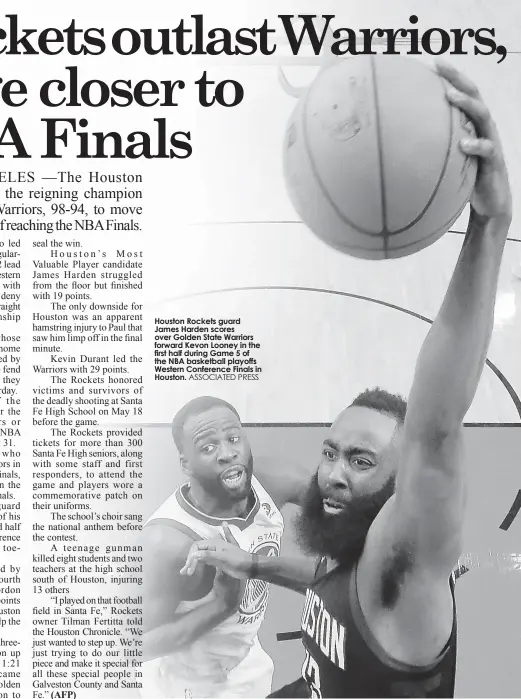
213	507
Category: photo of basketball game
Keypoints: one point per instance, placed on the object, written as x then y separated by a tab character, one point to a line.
335	505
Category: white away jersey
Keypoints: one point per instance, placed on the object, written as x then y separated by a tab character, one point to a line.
225	646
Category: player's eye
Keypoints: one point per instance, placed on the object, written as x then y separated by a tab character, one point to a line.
208	448
361	464
329	454
234	439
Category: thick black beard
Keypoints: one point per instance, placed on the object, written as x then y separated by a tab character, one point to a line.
342	536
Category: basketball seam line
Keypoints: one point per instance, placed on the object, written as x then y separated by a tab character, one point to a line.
440	178
434	236
379	147
343	218
438	232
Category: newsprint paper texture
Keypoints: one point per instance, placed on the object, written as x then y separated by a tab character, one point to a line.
152	252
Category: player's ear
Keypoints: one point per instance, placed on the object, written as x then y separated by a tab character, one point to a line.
185	468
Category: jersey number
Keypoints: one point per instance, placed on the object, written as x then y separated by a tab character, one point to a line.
311	673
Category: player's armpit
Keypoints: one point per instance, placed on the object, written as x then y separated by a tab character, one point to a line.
404	572
426	519
415	541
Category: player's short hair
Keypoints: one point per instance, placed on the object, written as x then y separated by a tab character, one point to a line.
382	401
195	407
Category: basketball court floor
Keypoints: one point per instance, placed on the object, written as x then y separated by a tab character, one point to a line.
328	326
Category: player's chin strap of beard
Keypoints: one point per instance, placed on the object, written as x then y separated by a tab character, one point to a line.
498	562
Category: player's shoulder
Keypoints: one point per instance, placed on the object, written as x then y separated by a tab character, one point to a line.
166	542
266	491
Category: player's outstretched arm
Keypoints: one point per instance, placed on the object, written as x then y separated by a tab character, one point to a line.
165	630
225	554
428	509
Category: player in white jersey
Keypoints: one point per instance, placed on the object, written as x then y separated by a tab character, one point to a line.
201	632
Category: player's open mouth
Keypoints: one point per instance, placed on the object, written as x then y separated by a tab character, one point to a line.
234	477
332	507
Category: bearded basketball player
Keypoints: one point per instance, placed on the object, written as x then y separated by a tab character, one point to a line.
201	633
385	509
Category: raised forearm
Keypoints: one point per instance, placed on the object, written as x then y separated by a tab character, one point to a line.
187	628
294	573
452	357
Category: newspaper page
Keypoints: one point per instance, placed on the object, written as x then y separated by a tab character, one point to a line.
235	238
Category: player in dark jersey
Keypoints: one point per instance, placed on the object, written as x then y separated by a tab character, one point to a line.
385	509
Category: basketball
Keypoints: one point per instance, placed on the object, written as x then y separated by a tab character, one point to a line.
372	160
